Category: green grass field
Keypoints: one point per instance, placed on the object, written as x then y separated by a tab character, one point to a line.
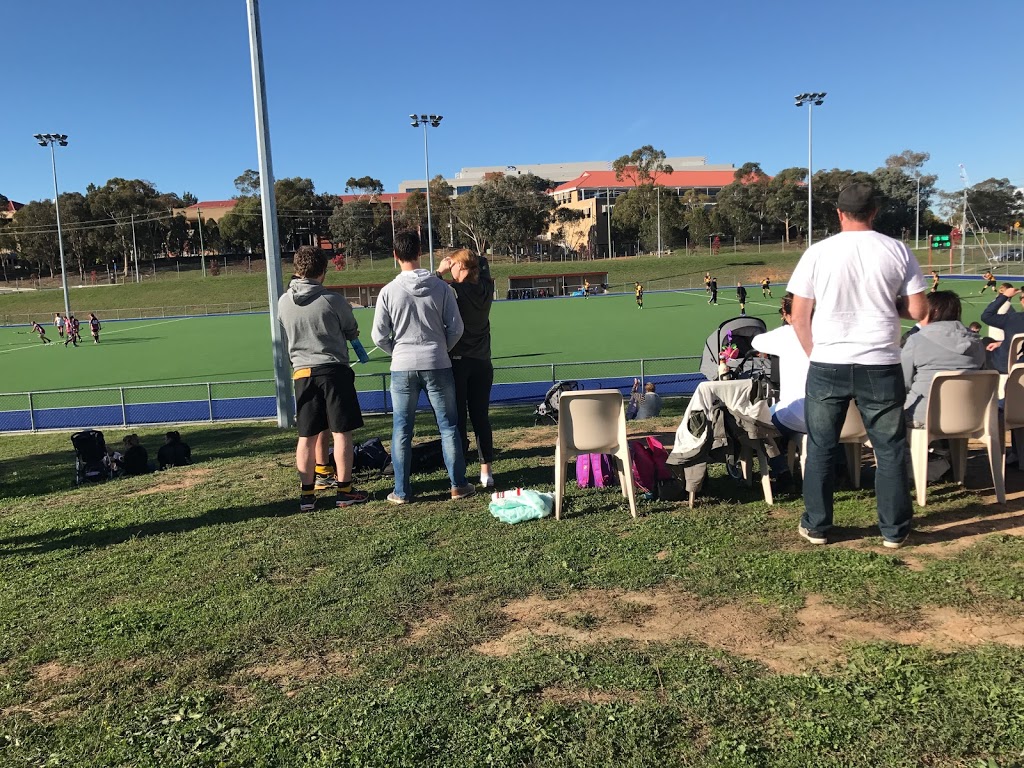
193	619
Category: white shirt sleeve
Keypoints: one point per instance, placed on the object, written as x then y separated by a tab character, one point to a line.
914	282
801	282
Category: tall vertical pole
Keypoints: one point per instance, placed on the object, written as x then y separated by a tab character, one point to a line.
271	236
608	214
430	229
392	203
917	215
135	252
810	175
60	235
963	233
202	248
659	221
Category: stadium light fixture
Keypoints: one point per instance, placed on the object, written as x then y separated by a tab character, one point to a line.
434	121
48	140
811	100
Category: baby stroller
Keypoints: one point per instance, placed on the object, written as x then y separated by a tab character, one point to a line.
91	465
731	343
548	408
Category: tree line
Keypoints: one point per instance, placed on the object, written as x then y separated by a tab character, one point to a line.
505	214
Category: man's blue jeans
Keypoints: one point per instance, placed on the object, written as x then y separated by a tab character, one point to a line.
439	385
880	393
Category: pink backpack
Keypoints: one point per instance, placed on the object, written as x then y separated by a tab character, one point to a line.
594	470
648	457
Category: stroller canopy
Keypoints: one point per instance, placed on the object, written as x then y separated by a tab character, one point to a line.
742	330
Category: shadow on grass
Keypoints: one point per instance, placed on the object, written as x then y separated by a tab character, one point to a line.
37	474
75	538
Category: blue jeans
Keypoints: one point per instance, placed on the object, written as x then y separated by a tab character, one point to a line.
439	385
880	393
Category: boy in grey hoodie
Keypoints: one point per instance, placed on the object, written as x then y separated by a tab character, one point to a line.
417	322
318	324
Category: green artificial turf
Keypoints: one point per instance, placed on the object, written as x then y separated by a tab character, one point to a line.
535	333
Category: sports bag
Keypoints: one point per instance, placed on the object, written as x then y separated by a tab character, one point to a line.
371	455
594	470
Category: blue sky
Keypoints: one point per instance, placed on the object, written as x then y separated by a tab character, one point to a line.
162	91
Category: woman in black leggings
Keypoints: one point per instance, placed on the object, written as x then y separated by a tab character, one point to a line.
471	356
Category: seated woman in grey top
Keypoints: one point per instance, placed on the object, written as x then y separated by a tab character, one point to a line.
942	344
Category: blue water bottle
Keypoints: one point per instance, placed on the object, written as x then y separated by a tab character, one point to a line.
360	351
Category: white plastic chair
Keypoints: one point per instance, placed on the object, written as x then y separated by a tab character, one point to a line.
1013	406
592	421
852	437
961	405
1013	357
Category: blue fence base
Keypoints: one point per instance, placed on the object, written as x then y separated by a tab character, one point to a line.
243	408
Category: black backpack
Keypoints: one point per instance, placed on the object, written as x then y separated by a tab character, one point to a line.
370	456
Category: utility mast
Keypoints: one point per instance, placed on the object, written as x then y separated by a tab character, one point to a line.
963	220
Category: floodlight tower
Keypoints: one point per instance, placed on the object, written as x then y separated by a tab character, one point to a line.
433	121
812	100
48	140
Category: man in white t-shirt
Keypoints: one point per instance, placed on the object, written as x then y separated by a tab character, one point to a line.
858	284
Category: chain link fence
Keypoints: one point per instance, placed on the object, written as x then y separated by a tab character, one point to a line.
220	401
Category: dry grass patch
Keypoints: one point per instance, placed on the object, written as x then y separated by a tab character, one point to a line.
177	480
813	637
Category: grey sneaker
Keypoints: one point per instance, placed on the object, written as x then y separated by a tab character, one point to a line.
811	536
463	491
894	543
393	499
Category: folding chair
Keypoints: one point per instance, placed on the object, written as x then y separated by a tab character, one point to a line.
1013	357
592	421
853	437
1013	407
961	405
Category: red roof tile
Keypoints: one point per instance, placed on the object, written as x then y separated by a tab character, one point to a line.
687	179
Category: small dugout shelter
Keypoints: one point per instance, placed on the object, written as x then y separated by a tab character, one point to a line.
554	285
359	295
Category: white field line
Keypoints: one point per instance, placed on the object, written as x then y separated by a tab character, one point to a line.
58	340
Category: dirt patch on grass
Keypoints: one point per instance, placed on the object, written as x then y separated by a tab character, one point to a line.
811	638
589	696
428	626
176	480
53	673
291	675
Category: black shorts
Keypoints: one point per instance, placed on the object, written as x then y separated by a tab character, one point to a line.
990	284
327	400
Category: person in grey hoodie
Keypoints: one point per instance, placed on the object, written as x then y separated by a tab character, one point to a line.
417	322
941	344
318	324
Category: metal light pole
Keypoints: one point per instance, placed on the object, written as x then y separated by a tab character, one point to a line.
917	217
608	215
202	248
434	121
812	100
271	237
659	221
49	139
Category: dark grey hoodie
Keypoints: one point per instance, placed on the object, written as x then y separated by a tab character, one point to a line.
943	346
318	324
417	321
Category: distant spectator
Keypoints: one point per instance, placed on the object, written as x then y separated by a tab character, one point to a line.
975	328
643	405
174	452
136	458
